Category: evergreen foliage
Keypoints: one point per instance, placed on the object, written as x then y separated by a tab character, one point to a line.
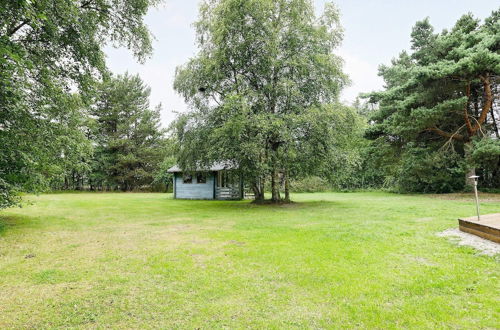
129	141
439	107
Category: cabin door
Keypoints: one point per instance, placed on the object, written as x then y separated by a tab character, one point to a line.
228	185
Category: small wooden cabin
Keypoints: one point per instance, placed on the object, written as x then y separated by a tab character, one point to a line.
220	181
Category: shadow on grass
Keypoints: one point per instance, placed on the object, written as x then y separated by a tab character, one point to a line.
249	205
8	222
296	205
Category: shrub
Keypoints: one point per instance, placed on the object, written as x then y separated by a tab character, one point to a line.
8	196
310	184
427	171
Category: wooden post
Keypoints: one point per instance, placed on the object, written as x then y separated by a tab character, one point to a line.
477	200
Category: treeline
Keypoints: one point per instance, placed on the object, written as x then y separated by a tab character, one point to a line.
263	91
437	121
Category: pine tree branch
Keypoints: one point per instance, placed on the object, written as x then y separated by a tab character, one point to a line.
440	132
488	102
497	132
468	124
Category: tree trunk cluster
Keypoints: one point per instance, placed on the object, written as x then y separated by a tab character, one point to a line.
280	180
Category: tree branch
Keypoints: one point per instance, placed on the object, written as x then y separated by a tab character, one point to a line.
487	102
442	133
497	133
86	3
16	28
468	124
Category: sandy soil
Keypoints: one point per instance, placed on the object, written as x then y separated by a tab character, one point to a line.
484	246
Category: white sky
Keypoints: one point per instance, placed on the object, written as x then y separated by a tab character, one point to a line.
375	32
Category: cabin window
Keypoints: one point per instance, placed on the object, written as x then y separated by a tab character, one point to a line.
187	178
201	178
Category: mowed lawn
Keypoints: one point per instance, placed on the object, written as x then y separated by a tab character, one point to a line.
331	260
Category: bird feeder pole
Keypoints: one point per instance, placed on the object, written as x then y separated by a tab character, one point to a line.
475	177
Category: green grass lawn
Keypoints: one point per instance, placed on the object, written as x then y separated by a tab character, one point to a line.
331	260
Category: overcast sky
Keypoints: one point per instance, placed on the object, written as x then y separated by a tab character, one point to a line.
375	32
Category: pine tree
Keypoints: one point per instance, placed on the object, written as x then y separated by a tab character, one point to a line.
439	102
129	140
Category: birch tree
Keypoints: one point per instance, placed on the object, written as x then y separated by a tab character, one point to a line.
263	67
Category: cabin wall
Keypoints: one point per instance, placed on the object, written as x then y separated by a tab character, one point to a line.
194	190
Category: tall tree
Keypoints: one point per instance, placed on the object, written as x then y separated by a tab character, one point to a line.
48	51
257	87
441	94
129	139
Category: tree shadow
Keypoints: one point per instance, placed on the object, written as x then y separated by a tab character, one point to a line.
294	205
8	222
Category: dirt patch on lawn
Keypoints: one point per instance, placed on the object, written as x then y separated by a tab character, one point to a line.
426	219
421	260
236	242
484	246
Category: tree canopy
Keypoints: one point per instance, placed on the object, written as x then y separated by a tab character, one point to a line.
260	89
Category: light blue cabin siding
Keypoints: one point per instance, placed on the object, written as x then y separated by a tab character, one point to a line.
194	190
